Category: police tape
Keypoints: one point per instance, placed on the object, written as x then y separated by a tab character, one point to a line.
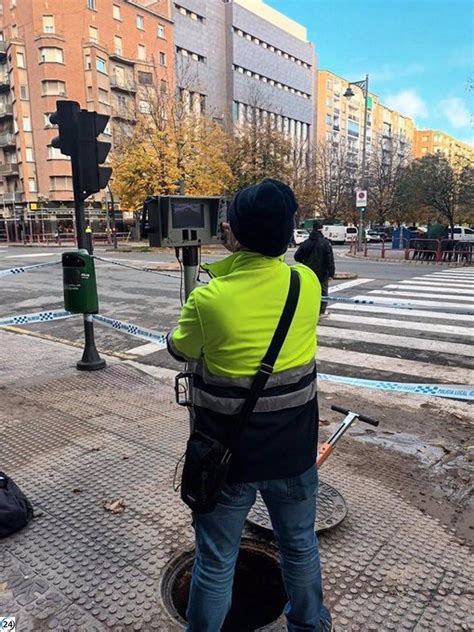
453	391
37	317
463	392
21	269
132	330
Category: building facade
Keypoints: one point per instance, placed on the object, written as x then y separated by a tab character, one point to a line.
340	119
101	53
239	58
429	141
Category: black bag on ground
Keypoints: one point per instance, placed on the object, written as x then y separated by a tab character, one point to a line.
15	508
207	461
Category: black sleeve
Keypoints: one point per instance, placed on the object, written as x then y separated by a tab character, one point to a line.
330	260
304	250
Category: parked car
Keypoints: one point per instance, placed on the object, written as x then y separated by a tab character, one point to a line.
299	236
375	234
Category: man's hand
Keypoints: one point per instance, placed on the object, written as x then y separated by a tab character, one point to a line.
228	239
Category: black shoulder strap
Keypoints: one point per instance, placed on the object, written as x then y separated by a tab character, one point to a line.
268	362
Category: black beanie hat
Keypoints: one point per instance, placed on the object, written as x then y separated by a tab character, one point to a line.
262	217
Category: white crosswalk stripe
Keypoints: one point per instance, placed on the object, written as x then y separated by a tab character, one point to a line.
429	339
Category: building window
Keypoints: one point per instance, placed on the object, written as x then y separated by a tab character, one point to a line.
29	154
141	52
60	183
145	78
163	86
101	65
51	55
31	185
91	4
140	22
103	96
328	119
20	59
55	154
93	34
116	12
118	45
161	31
162	59
26	124
47	122
24	93
48	23
54	88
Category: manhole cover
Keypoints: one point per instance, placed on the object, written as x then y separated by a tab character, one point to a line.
258	595
331	510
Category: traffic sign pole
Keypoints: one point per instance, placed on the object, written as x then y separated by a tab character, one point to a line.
361	204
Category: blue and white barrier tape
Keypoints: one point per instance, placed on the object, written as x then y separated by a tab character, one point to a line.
133	330
37	317
438	390
21	269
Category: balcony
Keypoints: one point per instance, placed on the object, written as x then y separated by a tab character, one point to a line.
10	198
118	56
6	110
122	83
4	83
124	114
7	139
9	169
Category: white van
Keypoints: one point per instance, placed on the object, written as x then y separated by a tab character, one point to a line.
462	233
339	234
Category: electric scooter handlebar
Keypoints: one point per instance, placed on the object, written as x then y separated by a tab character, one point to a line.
345	411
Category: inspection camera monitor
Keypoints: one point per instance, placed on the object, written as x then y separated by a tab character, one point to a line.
178	220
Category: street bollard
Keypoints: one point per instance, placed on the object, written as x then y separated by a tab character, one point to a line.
383	249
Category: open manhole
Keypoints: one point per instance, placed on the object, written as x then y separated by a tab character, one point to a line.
258	595
331	510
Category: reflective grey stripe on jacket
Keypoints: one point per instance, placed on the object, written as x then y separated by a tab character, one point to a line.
269	403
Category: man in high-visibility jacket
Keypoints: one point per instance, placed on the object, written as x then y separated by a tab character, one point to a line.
226	328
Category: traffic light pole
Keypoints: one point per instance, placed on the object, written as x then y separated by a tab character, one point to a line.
90	361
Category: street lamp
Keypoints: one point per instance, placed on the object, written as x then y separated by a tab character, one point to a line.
364	86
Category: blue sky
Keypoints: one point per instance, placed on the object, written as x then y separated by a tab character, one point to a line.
419	53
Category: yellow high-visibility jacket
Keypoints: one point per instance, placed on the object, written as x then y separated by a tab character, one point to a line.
226	327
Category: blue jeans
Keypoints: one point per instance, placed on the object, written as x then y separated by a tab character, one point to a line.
291	504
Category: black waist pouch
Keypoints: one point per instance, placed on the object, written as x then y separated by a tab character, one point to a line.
205	470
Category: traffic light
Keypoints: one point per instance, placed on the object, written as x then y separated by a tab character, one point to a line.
66	117
78	132
92	152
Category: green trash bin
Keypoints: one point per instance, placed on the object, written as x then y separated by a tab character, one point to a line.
79	283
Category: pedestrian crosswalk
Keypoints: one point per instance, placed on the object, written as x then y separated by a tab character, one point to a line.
429	339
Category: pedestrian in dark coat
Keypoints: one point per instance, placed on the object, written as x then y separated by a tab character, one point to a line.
316	253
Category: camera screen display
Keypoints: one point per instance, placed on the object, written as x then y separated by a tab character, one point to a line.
187	215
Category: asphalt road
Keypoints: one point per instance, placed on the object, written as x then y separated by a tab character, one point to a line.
392	346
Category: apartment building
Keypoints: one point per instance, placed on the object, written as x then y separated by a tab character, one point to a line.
237	59
101	53
339	118
429	141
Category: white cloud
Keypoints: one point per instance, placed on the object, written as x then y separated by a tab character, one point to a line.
456	111
389	72
407	102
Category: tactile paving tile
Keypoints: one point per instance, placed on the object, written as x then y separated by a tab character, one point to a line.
117	433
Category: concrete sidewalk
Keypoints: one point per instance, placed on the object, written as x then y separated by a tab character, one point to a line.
76	441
